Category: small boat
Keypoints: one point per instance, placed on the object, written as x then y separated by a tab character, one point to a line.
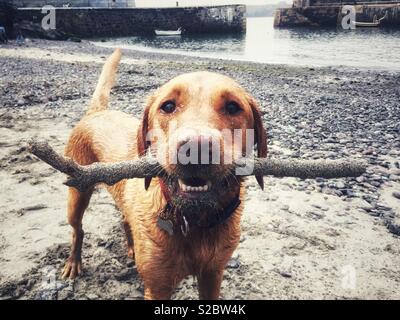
168	32
375	23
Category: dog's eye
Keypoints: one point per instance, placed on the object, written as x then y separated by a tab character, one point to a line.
232	108
168	106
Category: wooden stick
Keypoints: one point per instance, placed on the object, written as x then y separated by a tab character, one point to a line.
85	177
305	169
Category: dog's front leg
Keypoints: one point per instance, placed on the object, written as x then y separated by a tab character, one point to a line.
210	284
77	204
158	291
159	277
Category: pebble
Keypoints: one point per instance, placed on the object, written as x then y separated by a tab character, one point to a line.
367	208
285	274
92	296
233	263
125	274
339	185
396	194
383	207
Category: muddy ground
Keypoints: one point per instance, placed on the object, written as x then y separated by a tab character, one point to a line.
302	239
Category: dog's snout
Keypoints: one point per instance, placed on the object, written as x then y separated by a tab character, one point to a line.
200	149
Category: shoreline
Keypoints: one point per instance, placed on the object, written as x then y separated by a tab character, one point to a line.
238	59
90	49
297	236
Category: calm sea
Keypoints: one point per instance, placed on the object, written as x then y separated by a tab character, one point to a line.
364	47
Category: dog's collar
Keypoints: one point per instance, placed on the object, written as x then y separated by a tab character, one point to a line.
170	219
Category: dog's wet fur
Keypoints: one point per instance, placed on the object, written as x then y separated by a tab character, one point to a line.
205	100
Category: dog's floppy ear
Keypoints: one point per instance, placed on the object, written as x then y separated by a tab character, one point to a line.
142	143
260	135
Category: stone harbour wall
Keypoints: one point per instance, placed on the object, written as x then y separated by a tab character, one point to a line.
330	16
119	22
74	3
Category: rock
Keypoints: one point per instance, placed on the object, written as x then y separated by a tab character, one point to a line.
125	274
30	283
109	244
381	206
349	193
130	264
233	263
338	193
393	226
369	151
367	208
285	274
285	269
396	194
360	179
103	277
321	207
92	296
375	183
315	215
339	185
374	213
21	102
44	100
394	171
75	39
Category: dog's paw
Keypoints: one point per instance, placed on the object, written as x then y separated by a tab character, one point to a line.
72	269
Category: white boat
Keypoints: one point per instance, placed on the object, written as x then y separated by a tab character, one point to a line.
375	23
168	32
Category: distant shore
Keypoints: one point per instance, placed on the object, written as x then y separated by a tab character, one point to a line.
298	235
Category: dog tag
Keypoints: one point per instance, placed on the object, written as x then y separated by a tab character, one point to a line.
166	225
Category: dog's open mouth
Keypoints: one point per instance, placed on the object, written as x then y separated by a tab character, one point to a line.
200	194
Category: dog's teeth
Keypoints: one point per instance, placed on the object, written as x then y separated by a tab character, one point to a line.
182	185
186	188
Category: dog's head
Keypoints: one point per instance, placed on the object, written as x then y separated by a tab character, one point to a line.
197	124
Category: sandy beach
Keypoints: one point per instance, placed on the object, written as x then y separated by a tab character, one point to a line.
301	239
